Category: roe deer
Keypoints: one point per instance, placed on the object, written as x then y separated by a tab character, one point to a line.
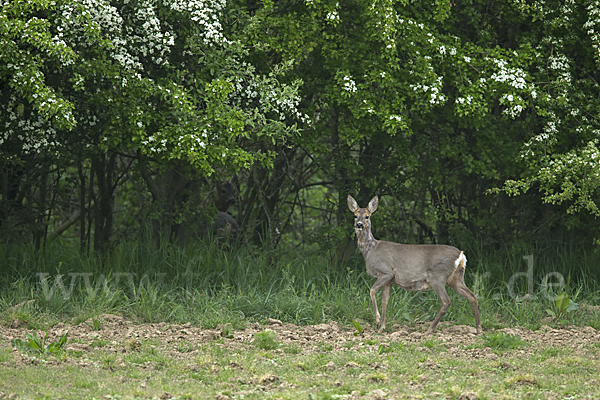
226	196
224	225
412	267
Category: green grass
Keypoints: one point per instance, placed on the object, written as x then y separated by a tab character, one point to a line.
503	341
149	370
148	284
228	290
266	340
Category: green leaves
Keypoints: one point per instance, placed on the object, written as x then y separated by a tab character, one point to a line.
562	305
266	340
503	341
359	329
37	347
28	47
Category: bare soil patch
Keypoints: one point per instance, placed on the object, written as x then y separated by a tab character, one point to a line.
151	361
115	331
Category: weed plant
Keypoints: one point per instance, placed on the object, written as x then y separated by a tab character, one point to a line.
39	347
503	341
266	340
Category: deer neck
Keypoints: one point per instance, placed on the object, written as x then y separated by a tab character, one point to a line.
366	241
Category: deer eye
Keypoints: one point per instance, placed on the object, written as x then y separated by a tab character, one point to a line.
355	216
367	217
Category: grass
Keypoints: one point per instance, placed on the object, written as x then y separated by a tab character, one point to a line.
245	285
223	367
206	287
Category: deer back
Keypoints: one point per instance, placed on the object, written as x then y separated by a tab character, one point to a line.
412	265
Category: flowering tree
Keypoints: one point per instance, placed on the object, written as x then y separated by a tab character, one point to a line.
405	99
429	105
166	82
563	151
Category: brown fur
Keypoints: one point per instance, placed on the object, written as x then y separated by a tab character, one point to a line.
412	267
225	196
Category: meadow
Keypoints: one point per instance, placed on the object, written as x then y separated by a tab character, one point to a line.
200	322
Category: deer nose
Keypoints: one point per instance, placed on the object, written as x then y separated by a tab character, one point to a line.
359	225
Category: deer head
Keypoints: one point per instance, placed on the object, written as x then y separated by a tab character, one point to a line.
362	216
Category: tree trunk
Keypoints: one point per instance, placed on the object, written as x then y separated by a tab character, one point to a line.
103	168
39	231
82	242
343	248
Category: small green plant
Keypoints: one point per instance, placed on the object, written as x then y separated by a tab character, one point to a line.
349	344
96	323
429	343
359	329
186	346
413	318
326	347
503	341
38	347
389	348
108	361
226	331
98	342
266	340
377	377
562	305
292	349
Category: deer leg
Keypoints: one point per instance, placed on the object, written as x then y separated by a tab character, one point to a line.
385	297
463	290
382	281
440	290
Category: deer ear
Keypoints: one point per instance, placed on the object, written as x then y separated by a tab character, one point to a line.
352	204
373	204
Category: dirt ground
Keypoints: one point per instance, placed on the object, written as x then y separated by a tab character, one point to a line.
116	331
118	337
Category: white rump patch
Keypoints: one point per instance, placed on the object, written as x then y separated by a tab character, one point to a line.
461	260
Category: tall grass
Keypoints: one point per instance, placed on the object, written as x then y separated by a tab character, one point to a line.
207	286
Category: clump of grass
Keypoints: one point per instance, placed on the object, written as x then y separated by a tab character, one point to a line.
266	340
227	331
326	347
377	377
503	341
186	346
292	349
385	348
98	342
